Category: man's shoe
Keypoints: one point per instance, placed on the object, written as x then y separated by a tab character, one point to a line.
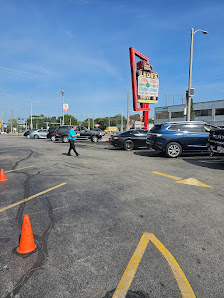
77	154
69	155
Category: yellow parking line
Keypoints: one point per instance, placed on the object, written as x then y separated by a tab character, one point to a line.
18	169
126	280
179	275
129	273
166	175
32	197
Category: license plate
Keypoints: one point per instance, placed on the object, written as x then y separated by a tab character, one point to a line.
220	149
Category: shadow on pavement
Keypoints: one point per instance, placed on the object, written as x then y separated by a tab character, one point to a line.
212	162
149	153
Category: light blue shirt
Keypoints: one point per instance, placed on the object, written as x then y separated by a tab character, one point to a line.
72	133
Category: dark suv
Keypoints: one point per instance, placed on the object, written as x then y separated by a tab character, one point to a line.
175	137
63	131
216	141
51	132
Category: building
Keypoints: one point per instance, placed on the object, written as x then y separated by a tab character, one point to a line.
210	111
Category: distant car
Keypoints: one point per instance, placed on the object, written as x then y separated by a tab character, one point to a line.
130	139
3	133
62	132
216	141
175	137
38	134
100	131
27	132
51	133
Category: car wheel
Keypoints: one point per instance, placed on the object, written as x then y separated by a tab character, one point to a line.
65	139
173	150
128	145
53	138
36	137
94	139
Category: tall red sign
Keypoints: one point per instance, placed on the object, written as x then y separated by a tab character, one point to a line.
149	79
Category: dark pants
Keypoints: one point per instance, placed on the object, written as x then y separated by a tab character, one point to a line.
72	146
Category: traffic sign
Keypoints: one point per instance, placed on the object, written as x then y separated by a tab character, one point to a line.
0	122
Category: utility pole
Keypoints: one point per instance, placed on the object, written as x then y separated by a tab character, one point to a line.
62	93
174	99
182	98
121	120
93	123
190	72
109	121
31	116
128	111
11	120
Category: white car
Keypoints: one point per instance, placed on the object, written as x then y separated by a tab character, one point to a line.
3	133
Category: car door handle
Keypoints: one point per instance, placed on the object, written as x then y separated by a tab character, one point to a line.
184	135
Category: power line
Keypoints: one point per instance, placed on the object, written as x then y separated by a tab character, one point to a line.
20	72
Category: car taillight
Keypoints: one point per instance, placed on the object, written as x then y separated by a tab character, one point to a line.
57	133
115	138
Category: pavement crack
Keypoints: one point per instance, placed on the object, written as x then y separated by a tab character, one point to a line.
16	164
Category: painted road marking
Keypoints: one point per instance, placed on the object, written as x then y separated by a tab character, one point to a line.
189	181
32	197
192	181
166	175
7	157
18	169
126	280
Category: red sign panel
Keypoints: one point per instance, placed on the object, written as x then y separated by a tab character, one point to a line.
65	107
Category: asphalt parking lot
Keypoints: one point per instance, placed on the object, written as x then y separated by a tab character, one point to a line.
110	223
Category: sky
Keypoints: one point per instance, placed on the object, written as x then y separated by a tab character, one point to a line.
82	47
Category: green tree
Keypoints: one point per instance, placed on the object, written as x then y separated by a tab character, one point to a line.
192	118
69	119
14	124
118	119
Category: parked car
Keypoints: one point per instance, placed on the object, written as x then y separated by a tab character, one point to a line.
130	139
51	133
175	137
38	134
99	130
216	141
27	133
62	132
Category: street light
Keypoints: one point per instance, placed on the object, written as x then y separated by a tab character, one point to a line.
190	72
31	115
62	93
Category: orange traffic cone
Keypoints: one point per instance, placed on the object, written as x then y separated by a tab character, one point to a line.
26	245
2	176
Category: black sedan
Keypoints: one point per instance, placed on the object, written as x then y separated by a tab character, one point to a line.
130	139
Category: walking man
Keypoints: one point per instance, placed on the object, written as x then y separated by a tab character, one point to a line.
72	137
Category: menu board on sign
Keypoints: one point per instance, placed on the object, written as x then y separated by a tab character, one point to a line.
148	87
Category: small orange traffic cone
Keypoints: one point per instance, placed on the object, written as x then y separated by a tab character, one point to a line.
2	176
26	245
